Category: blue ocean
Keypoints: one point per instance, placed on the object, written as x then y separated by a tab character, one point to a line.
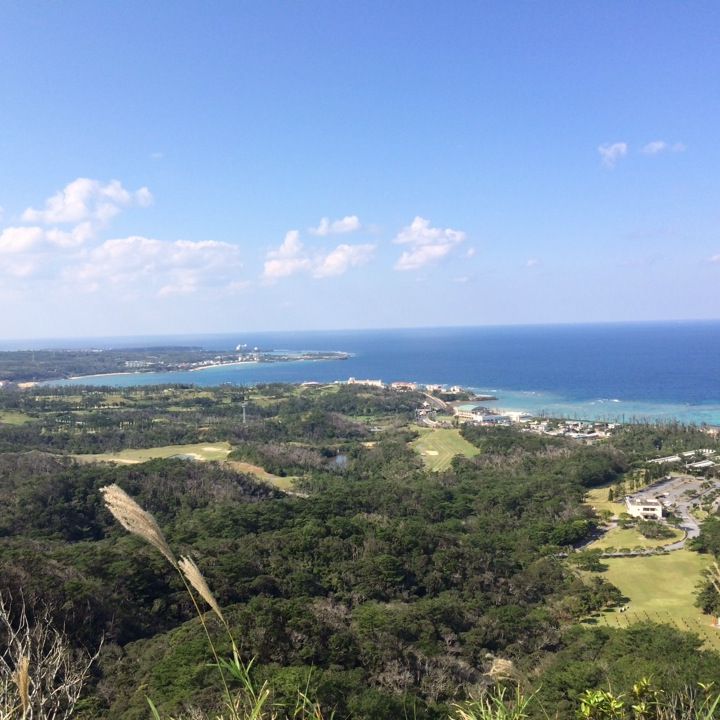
660	371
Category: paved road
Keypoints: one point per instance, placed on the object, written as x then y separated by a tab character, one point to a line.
680	493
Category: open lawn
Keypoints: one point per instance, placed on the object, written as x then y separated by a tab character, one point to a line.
439	446
631	538
661	588
198	451
8	417
282	483
597	499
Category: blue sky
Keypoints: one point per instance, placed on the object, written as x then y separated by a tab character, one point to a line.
179	167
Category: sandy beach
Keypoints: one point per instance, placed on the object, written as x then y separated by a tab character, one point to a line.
222	365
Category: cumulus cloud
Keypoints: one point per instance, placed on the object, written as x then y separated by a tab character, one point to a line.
292	257
70	219
610	153
426	244
27	238
61	246
15	240
660	146
87	201
288	259
350	223
342	258
158	267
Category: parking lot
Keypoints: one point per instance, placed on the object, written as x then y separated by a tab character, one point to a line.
680	494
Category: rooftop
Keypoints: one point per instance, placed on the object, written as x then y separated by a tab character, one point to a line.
646	501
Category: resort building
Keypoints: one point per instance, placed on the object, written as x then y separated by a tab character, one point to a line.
371	383
470	412
404	386
644	507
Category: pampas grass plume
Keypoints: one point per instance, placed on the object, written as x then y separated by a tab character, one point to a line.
136	520
193	575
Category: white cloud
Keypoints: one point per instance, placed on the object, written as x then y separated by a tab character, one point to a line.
156	267
292	257
287	259
342	258
87	200
25	239
715	259
610	153
61	250
532	262
20	239
471	252
660	146
350	223
21	267
427	244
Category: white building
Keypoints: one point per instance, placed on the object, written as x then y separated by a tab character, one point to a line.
371	383
404	386
644	507
479	414
669	460
701	465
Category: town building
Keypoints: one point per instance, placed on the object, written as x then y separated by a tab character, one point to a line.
434	388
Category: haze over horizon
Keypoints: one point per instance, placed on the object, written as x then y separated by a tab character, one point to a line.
179	168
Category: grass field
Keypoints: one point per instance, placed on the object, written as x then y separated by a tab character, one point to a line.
7	417
597	499
282	483
631	538
661	588
439	446
199	451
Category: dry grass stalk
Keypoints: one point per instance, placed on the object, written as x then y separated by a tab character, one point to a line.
502	669
41	676
21	676
136	520
193	575
715	577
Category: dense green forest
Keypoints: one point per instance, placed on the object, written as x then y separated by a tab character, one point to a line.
383	589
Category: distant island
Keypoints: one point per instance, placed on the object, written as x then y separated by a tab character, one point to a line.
25	366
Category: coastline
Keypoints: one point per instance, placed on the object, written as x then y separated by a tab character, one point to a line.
656	373
81	377
536	403
222	365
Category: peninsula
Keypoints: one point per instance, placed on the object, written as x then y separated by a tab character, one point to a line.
22	366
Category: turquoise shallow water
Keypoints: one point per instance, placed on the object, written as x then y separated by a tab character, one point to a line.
660	371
